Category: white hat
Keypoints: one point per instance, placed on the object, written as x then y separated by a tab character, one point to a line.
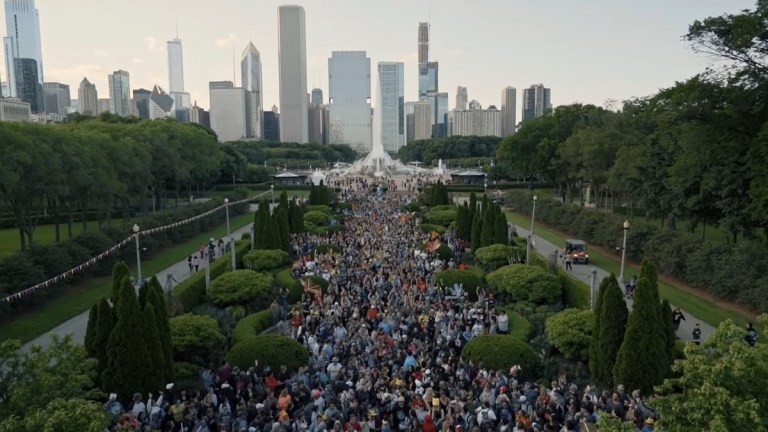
259	405
427	372
419	383
169	386
225	385
523	399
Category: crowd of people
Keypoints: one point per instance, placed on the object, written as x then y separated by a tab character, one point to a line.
385	348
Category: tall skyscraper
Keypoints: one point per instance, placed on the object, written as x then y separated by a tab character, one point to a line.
141	103
422	121
199	116
391	105
461	98
57	98
476	121
28	87
349	82
317	97
120	93
88	98
227	110
22	24
250	73
272	125
292	59
181	99
508	111
536	100
160	104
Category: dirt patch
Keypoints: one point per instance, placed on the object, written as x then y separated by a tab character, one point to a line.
740	309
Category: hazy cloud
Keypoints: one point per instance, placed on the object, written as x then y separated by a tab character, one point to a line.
153	44
226	41
100	53
138	60
73	75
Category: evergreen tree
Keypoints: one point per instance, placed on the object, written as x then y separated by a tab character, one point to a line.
467	228
104	325
155	376
128	368
119	271
261	222
312	194
489	222
460	217
271	234
298	219
143	295
500	227
477	228
642	360
284	200
156	298
90	331
669	331
472	207
610	327
284	239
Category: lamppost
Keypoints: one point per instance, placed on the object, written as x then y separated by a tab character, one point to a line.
623	252
138	254
485	187
230	239
529	244
533	213
272	188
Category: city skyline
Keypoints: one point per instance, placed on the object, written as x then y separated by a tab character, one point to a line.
616	57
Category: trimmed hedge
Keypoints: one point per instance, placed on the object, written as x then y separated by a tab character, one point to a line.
195	338
576	294
191	292
441	217
731	271
251	326
519	327
319	208
428	228
571	332
317	218
240	287
266	259
526	283
471	278
499	352
325	248
271	351
284	279
497	255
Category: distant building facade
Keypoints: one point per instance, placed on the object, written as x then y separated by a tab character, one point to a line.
200	116
536	100
349	81
508	111
292	62
87	98
120	93
228	117
461	98
272	125
250	70
14	109
57	98
391	105
476	121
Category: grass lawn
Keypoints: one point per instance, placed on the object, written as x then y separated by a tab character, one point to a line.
44	234
34	323
696	306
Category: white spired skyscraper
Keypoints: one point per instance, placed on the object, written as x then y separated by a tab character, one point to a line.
349	88
181	99
22	24
250	70
292	59
390	107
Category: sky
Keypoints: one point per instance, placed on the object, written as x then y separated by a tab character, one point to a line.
586	51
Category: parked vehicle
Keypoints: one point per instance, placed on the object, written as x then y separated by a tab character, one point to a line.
577	249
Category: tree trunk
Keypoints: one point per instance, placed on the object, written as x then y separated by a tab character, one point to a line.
69	223
22	237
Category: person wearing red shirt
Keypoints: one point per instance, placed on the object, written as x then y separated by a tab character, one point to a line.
429	425
353	424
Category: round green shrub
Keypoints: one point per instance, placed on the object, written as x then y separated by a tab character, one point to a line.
325	248
470	278
319	208
316	218
444	252
185	370
441	217
526	283
266	259
194	336
571	332
497	255
428	228
240	287
499	352
270	350
252	325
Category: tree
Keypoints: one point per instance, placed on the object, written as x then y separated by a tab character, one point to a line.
501	234
195	338
155	376
158	301
571	331
719	386
261	221
669	330
477	229
104	325
240	287
489	222
610	326
61	371
642	360
127	353
90	331
60	415
284	232
119	271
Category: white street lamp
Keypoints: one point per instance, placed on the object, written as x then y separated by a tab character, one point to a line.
533	213
623	252
272	188
230	239
138	254
529	244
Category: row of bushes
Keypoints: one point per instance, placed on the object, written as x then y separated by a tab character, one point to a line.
737	272
191	292
38	263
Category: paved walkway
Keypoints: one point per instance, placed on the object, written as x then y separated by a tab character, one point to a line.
77	325
584	273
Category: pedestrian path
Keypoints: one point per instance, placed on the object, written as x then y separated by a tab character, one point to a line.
77	325
584	273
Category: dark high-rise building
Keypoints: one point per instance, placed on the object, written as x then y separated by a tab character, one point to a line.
536	101
57	98
271	126
317	97
28	87
141	102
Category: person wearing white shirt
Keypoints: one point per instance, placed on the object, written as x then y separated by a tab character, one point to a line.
502	322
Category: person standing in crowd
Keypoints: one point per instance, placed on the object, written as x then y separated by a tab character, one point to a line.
677	318
696	335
